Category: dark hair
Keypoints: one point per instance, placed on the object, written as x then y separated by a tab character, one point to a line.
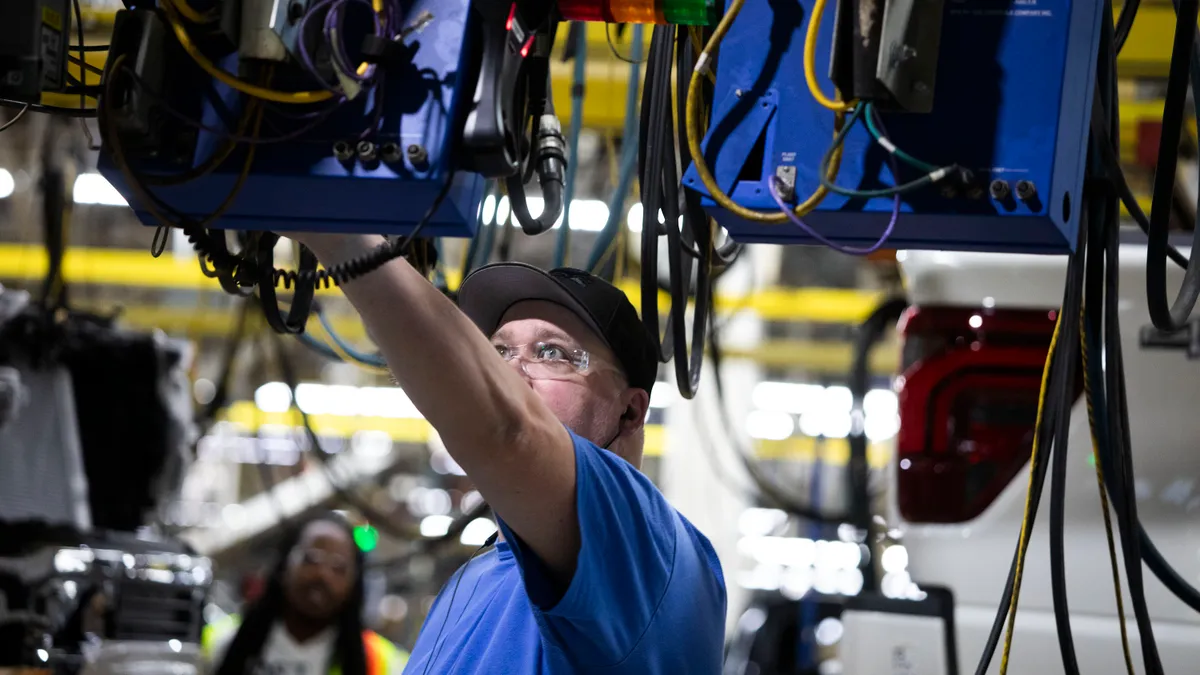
349	652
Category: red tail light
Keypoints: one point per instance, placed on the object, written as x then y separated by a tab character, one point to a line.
968	404
1149	137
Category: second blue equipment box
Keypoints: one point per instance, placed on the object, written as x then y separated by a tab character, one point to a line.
1011	103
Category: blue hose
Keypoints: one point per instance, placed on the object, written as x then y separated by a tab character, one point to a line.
577	91
629	147
369	359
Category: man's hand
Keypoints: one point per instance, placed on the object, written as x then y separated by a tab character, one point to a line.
517	452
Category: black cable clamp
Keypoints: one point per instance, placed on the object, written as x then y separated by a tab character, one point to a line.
1187	339
386	53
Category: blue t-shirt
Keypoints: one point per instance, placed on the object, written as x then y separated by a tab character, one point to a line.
647	597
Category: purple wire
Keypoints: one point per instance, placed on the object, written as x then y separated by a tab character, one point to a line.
305	58
338	45
773	187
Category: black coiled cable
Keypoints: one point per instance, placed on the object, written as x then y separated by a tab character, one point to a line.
1172	316
240	271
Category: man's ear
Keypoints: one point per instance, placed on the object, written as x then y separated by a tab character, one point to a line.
637	403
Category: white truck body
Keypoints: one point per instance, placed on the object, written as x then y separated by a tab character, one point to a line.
972	559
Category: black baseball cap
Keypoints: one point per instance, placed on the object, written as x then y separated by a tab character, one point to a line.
490	291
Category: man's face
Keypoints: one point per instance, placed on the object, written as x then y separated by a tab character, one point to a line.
321	570
591	403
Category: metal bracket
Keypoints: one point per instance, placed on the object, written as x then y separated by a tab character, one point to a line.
1187	339
908	51
752	115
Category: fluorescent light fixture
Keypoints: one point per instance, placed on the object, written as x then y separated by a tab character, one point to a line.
587	215
636	216
435	526
92	188
342	400
894	559
423	501
273	397
7	184
487	211
503	211
663	395
881	402
768	425
760	522
829	632
787	397
477	531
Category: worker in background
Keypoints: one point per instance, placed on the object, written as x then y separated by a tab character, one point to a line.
308	620
539	388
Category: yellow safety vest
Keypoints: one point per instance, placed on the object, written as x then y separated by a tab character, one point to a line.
382	655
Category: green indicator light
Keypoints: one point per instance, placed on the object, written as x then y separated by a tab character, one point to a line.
366	538
689	12
1091	461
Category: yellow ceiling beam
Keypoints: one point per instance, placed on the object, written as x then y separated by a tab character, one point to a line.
799	448
1147	52
138	269
815	357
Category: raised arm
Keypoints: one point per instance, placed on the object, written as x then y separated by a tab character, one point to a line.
494	425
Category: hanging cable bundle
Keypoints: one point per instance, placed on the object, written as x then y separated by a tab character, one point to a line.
660	190
1172	316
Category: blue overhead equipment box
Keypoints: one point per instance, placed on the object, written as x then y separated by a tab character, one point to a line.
991	97
367	145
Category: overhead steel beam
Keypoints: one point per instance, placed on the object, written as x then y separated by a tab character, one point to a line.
128	268
246	415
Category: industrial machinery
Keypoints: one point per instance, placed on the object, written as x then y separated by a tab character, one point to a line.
994	98
99	603
988	126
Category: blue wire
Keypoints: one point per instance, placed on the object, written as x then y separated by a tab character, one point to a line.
629	144
560	245
317	346
368	359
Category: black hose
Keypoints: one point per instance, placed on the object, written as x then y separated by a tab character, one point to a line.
650	159
1068	343
1116	430
659	172
548	155
1125	22
1172	316
869	333
1038	469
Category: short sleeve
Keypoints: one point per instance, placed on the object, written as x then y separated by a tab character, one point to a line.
627	554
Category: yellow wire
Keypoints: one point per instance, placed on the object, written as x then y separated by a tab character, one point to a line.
810	60
694	135
1108	530
170	8
697	47
1023	544
377	5
192	15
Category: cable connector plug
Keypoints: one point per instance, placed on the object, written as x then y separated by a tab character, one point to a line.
551	150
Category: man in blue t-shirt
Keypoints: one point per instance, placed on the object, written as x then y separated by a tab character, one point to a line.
545	410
